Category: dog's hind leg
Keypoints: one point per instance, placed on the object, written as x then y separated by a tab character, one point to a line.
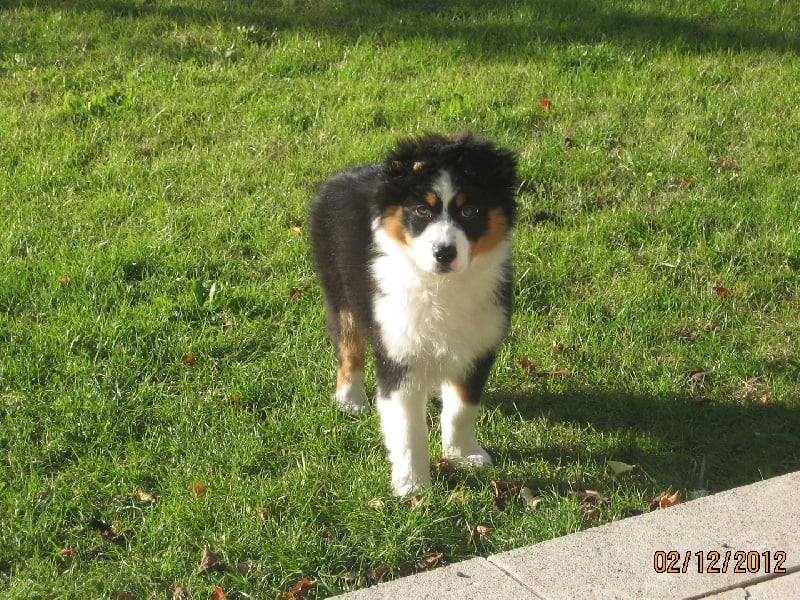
349	343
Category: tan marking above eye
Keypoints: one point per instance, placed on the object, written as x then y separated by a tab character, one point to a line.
461	199
431	198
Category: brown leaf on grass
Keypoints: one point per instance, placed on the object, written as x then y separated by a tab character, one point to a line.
531	501
620	467
530	367
591	501
113	533
430	560
591	497
296	292
545	103
698	376
66	553
592	514
722	291
443	466
210	563
189	358
415	501
66	280
145	497
300	589
198	489
664	500
477	533
504	491
375	575
218	594
526	363
557	373
296	225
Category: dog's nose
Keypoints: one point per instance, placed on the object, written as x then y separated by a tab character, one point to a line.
444	254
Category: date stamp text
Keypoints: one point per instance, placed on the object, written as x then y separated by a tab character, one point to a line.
714	561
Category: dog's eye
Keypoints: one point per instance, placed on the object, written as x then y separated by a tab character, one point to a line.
469	212
423	211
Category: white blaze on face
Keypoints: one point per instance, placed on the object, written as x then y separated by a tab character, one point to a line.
442	232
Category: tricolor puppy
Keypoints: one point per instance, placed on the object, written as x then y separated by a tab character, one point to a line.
414	256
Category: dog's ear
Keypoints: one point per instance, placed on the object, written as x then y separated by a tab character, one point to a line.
489	164
402	168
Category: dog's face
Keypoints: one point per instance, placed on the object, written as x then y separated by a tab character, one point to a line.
448	200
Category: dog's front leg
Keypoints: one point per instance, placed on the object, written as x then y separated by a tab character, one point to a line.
459	443
405	432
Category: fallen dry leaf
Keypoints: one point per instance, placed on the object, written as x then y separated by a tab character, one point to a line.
504	491
545	103
619	467
209	563
430	560
296	292
664	500
722	291
592	514
531	501
591	497
300	589
113	533
477	533
198	489
189	358
375	575
526	363
218	594
415	501
443	466
145	497
530	367
66	280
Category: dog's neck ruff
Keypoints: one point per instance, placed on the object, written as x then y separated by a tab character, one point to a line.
437	324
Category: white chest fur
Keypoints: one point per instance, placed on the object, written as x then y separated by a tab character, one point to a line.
437	324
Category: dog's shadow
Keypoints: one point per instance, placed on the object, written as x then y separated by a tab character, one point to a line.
670	435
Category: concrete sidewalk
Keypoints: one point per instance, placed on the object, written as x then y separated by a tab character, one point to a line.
755	528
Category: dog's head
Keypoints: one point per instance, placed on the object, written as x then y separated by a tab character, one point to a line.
448	200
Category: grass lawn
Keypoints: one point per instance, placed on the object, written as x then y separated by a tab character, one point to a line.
165	377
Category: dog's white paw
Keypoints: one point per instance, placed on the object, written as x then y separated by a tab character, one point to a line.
472	457
351	396
408	484
352	401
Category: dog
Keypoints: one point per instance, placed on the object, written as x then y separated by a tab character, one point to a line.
414	259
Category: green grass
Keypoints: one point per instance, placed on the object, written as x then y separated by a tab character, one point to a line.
156	164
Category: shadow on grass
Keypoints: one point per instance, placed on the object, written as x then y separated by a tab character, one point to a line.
741	442
485	29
